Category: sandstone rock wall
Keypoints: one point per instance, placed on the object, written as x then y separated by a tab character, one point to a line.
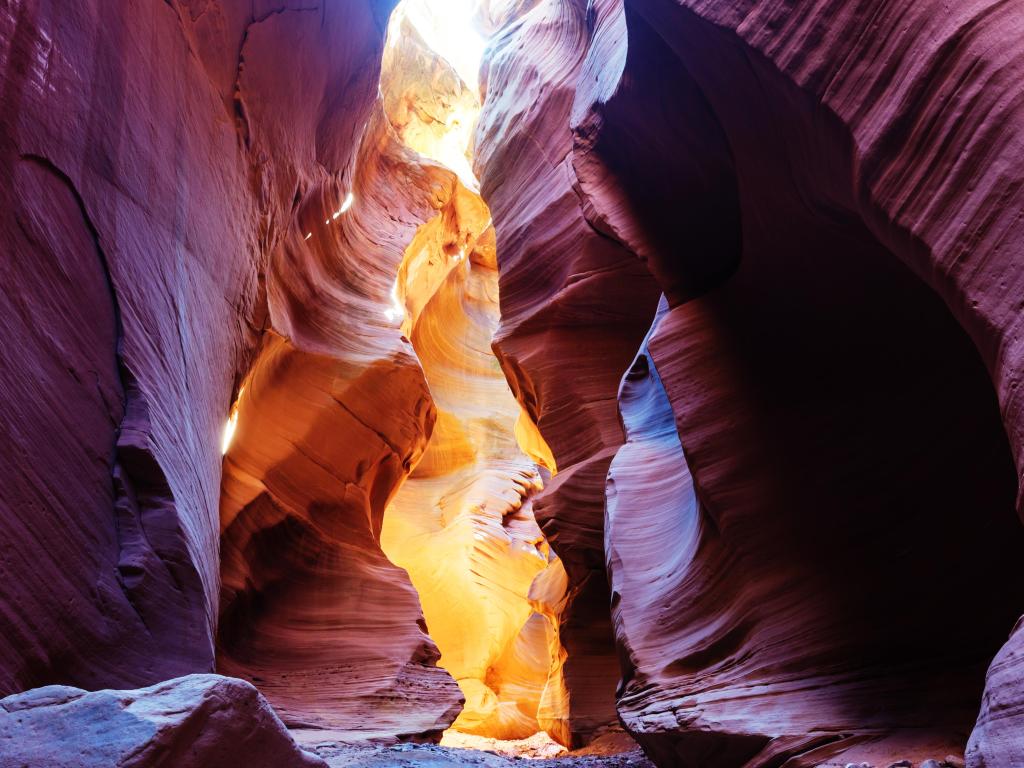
803	495
574	306
333	416
462	525
139	213
840	375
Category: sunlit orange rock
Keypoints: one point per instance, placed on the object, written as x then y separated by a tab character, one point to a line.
333	416
428	103
463	524
575	305
150	154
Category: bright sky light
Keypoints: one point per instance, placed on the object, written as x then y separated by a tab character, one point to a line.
447	27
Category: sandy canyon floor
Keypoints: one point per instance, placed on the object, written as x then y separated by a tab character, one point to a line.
615	750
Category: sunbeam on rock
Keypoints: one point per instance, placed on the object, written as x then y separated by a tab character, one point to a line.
599	383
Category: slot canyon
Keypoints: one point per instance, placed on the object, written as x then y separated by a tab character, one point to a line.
458	382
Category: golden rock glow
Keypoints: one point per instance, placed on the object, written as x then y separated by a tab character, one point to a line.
436	116
231	425
449	28
462	525
533	443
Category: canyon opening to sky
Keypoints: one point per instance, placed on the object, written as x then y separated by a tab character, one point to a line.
451	382
462	524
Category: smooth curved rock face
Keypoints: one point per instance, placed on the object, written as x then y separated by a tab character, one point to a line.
574	306
426	100
462	525
331	419
848	571
996	740
817	565
150	154
304	578
163	171
197	721
653	532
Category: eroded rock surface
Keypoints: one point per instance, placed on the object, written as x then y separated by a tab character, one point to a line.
825	370
331	419
196	721
462	525
996	740
574	306
165	176
805	512
150	157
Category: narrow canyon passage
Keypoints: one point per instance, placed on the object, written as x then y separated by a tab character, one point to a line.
462	524
456	509
603	383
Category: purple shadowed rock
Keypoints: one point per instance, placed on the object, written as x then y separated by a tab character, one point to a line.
196	721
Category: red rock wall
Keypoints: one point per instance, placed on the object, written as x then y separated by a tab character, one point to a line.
333	416
151	155
574	304
810	533
996	739
826	372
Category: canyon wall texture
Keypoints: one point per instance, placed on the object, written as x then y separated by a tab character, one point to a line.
164	177
202	233
574	308
462	525
738	471
332	417
818	466
841	357
126	339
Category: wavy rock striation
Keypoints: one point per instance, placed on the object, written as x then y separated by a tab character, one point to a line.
574	306
332	417
463	524
836	374
996	739
806	510
150	156
166	179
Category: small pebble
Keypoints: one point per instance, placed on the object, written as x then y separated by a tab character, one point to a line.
954	762
901	764
931	764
